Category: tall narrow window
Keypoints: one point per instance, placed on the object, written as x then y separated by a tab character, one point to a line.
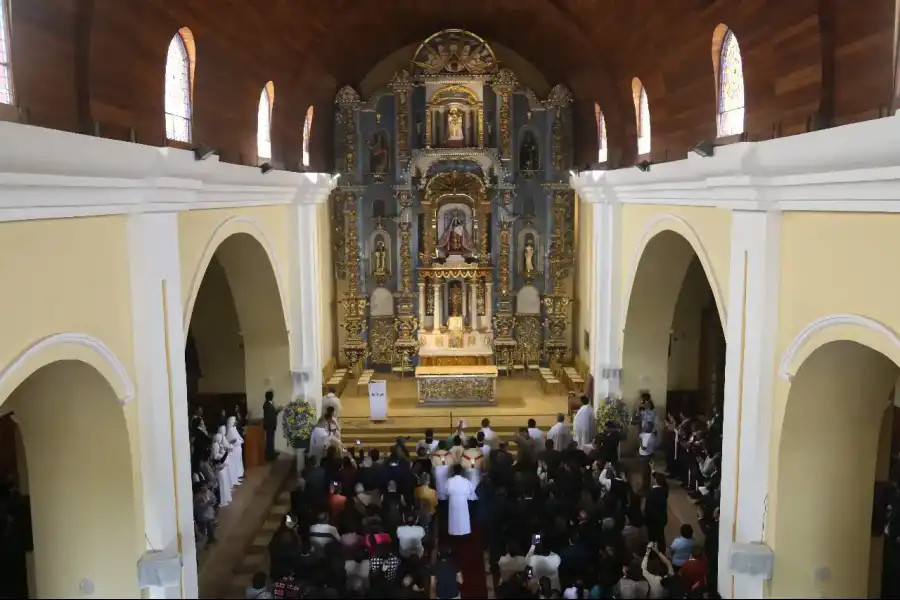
307	130
730	76
264	123
642	112
180	63
601	134
6	87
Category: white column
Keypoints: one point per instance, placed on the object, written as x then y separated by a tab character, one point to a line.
473	303
437	307
158	341
749	386
465	302
306	304
606	312
422	305
488	303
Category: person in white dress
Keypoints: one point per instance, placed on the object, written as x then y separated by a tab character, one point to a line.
223	474
560	434
318	440
459	491
229	462
237	445
584	423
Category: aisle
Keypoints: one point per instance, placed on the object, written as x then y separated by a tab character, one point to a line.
468	552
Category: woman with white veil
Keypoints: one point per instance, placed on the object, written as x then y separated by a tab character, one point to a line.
223	473
237	445
229	462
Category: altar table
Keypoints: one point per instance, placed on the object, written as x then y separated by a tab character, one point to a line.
449	385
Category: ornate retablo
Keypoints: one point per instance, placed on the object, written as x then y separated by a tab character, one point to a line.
454	52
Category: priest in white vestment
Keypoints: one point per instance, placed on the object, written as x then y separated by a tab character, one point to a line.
441	463
319	441
473	463
490	438
332	401
237	445
459	491
585	424
223	474
560	434
232	467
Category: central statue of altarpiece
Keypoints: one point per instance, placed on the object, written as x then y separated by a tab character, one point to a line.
453	224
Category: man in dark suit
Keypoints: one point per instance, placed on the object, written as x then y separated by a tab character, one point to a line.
656	512
270	423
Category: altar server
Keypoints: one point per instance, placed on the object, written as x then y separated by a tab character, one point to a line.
237	445
490	438
560	434
473	462
331	400
585	423
460	491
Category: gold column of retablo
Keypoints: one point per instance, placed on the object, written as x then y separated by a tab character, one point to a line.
504	84
406	301
504	320
556	301
354	323
348	102
401	84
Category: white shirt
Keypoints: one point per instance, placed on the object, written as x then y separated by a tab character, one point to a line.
648	444
322	534
410	539
535	434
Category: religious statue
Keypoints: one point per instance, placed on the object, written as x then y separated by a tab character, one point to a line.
528	259
455	239
455	301
378	154
380	268
455	126
529	159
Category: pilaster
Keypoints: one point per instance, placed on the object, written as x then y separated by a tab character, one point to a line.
158	333
749	385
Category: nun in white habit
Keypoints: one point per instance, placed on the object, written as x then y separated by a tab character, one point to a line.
237	445
223	474
229	462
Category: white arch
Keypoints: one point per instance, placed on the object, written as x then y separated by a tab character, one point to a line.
678	225
220	234
786	368
24	364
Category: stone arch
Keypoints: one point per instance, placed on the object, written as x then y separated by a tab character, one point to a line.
668	282
832	431
64	392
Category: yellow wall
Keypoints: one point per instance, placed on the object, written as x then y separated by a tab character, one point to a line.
684	359
584	278
832	263
82	501
326	284
215	328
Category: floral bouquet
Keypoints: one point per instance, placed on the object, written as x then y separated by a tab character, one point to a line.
297	421
612	409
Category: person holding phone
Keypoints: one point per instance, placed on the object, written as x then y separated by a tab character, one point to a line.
543	562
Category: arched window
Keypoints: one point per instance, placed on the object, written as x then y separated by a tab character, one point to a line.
307	130
264	123
642	112
730	81
6	87
601	133
180	62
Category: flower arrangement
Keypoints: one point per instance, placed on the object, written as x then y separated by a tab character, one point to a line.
612	409
297	421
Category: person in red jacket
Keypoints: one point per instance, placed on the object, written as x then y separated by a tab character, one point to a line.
693	572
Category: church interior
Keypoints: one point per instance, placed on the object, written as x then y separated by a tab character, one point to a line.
493	209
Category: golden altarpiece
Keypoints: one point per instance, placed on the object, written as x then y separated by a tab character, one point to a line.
453	227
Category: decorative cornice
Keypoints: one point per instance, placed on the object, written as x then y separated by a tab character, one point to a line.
49	174
855	168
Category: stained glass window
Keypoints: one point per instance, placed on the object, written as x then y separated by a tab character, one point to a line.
731	87
643	123
601	133
264	125
307	129
178	91
6	92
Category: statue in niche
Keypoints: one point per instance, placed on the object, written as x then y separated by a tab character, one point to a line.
529	159
455	127
379	157
380	267
528	269
455	239
455	301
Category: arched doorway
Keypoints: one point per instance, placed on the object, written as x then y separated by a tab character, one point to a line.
673	342
835	445
78	482
237	344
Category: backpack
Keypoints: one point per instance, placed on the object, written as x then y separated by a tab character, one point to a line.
373	541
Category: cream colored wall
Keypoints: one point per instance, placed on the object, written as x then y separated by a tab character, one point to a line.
326	283
83	508
684	359
584	278
832	263
215	328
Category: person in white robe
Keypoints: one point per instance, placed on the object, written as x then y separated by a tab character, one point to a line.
441	463
560	434
459	491
230	463
490	437
585	424
332	401
223	474
237	445
319	441
473	463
